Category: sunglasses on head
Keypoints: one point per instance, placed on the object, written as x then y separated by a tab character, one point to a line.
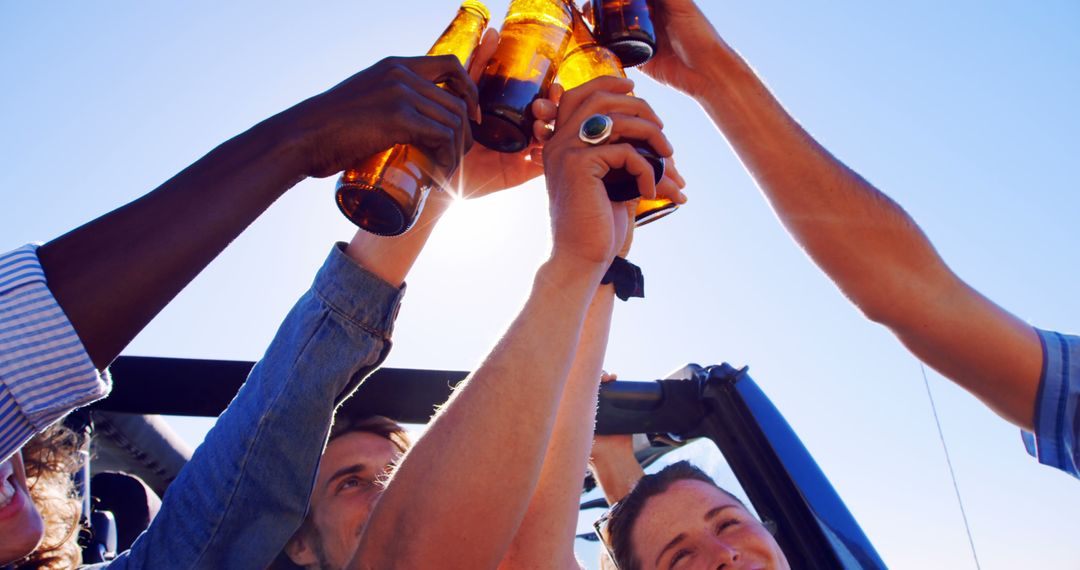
600	527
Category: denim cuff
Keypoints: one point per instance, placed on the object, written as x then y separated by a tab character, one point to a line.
357	294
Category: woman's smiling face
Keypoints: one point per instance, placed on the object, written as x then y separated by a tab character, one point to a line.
695	525
21	525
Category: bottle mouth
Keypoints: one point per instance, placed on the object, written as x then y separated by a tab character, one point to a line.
649	216
372	209
632	52
476	7
500	133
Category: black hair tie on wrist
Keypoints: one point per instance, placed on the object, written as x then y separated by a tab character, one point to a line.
627	277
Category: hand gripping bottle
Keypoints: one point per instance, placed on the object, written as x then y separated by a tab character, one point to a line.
386	193
626	28
584	61
531	45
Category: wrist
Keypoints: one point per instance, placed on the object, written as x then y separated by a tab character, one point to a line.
574	277
569	266
290	145
724	77
609	459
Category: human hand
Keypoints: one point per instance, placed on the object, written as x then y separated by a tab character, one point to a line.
685	41
610	449
585	224
484	170
395	101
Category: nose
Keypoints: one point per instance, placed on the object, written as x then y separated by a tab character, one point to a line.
724	555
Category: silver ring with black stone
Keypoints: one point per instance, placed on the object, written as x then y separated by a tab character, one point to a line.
596	129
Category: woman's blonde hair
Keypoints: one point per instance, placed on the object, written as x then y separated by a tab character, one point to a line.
52	457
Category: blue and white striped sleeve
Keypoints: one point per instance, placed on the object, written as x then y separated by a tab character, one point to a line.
1057	417
44	370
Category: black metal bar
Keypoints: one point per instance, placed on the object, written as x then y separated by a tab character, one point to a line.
196	387
785	484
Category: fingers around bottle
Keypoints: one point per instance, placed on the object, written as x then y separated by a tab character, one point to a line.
625	156
545	110
668	188
671	170
483	54
574	98
438	140
629	128
455	114
543	131
448	70
555	93
608	104
453	121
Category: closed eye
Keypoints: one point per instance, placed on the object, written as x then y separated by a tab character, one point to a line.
683	554
725	524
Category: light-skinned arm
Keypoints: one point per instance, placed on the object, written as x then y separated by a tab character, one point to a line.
613	463
503	414
545	538
861	238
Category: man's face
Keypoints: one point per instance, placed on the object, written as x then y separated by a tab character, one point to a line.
20	523
344	495
695	525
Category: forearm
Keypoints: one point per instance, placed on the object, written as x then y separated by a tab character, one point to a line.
545	538
872	249
391	258
114	274
617	473
504	410
245	490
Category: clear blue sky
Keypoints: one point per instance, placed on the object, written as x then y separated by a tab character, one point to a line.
964	112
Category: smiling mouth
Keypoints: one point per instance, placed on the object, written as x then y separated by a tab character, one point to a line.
7	491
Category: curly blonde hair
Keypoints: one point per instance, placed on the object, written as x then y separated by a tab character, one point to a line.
52	457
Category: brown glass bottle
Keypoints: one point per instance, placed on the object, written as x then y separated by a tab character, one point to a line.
386	193
531	43
626	28
584	61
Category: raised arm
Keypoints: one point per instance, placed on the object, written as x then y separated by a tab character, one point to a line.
463	508
613	463
863	240
545	538
112	275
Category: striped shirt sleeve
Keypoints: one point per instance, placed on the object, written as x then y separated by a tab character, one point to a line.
44	370
1057	417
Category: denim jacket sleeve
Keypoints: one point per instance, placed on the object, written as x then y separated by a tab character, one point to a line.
245	490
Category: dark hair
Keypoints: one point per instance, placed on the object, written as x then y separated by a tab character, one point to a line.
51	458
626	512
345	424
377	425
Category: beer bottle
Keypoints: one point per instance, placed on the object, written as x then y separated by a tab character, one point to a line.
531	44
584	61
386	193
626	28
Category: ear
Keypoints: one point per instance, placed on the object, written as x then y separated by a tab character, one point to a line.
301	550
